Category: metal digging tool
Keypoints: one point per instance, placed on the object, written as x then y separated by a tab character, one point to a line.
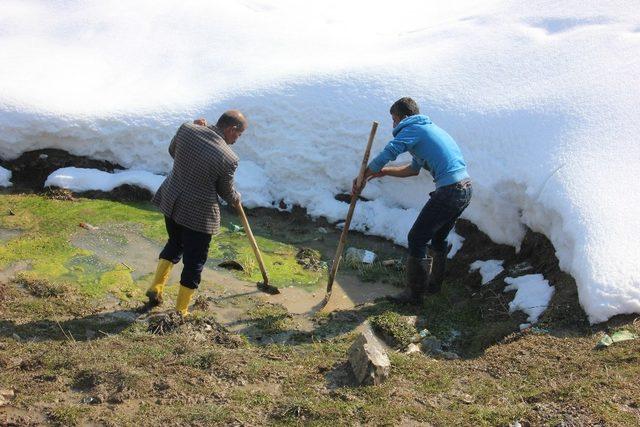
347	221
264	286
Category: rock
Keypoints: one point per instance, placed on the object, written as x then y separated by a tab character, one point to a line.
431	345
393	263
449	355
356	255
369	360
412	348
87	226
5	396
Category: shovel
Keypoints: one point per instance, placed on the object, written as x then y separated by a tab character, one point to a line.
347	221
264	286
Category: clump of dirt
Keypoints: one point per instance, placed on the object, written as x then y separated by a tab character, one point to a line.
56	193
123	193
396	330
165	323
41	288
310	259
270	318
205	329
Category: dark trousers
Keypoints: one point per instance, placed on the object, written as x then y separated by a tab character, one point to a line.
438	217
190	245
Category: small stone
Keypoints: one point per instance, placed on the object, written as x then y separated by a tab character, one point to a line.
449	355
412	348
5	396
369	360
356	255
431	345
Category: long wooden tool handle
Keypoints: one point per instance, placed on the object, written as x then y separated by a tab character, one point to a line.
352	206
254	244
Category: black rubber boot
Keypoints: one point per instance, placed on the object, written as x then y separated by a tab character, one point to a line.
418	271
437	272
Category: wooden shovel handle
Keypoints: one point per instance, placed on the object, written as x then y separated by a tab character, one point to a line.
352	206
254	244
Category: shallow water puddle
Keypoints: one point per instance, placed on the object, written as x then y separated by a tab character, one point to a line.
7	274
118	244
114	244
347	292
7	234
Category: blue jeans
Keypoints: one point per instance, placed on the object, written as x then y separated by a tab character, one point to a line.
192	246
438	217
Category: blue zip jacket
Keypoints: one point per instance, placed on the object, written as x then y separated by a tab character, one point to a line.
431	147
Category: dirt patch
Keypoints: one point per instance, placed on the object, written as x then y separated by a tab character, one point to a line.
42	288
55	193
110	385
204	329
123	193
310	259
31	169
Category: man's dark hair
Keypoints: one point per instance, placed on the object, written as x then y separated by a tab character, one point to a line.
404	107
231	118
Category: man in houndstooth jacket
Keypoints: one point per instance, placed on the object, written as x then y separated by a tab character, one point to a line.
203	169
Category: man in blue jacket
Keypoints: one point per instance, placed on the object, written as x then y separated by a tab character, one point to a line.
435	150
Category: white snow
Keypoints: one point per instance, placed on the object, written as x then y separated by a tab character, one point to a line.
489	270
78	179
542	100
456	242
5	177
533	294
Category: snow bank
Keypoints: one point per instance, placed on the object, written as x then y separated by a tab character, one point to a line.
5	177
489	270
533	294
543	101
78	179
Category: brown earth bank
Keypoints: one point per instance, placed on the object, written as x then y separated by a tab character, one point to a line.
247	359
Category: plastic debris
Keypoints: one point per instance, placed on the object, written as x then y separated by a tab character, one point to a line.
618	336
87	226
360	256
623	336
322	230
606	341
235	228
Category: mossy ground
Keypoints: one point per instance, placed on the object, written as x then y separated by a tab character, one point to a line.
47	226
76	352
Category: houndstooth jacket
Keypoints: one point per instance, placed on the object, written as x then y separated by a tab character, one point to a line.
203	168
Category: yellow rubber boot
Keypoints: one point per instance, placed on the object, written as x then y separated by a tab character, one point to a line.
184	299
159	281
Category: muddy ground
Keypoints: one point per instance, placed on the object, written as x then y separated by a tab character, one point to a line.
77	347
